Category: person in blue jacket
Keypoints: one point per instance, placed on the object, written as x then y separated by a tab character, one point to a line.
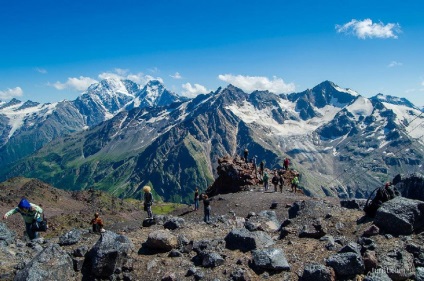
30	213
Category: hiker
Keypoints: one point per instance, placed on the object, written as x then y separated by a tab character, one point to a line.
265	180
196	199
148	201
246	153
97	224
294	184
261	168
281	181
286	164
30	213
383	194
275	180
207	208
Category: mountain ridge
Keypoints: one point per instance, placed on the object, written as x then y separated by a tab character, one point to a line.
327	131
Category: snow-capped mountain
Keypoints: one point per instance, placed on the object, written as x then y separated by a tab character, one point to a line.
27	126
342	143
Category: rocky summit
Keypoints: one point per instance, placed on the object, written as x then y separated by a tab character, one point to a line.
252	235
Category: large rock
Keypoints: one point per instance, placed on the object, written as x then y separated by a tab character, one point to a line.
272	259
398	264
419	274
357	204
400	216
110	254
50	264
244	240
377	275
161	241
6	235
317	272
410	186
346	264
71	237
174	223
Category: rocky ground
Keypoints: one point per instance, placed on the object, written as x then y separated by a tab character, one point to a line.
319	240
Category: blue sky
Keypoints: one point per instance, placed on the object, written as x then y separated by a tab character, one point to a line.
52	50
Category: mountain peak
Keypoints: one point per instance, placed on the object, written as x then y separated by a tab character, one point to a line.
392	100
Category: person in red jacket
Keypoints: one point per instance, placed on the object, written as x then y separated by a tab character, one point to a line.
286	164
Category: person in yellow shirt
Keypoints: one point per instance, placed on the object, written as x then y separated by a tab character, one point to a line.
30	213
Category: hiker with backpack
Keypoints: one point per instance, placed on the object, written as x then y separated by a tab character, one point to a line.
196	199
30	213
148	201
97	224
286	164
294	184
265	180
275	181
383	194
206	208
246	154
281	181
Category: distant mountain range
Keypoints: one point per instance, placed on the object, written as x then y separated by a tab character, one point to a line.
119	136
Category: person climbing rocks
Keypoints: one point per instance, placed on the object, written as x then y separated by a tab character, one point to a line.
148	201
30	213
97	224
294	184
383	194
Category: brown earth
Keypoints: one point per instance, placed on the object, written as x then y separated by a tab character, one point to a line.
66	210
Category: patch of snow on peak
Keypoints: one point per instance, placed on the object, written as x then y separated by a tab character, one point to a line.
412	119
17	117
361	107
152	93
250	114
349	91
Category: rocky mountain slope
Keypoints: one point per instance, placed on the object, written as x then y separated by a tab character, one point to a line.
27	126
253	235
341	143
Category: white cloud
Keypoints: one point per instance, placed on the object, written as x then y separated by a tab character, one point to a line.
192	91
252	83
41	70
79	84
394	63
11	93
367	29
122	74
177	75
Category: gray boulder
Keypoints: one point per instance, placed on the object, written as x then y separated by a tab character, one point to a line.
377	275
419	274
50	264
357	204
346	264
317	272
410	186
71	237
174	223
351	247
398	264
110	254
161	241
244	240
272	259
211	259
400	216
6	235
